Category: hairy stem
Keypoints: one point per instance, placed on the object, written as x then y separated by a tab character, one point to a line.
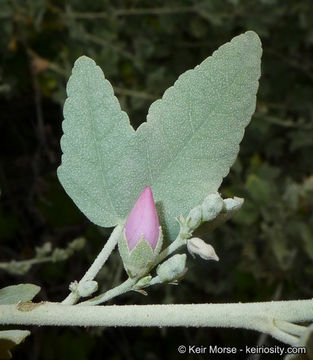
253	316
128	284
110	294
96	266
179	241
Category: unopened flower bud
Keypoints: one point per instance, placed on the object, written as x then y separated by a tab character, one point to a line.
233	204
142	237
204	250
172	269
211	206
195	217
77	244
87	288
143	221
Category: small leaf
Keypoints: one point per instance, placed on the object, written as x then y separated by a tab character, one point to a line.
10	338
16	293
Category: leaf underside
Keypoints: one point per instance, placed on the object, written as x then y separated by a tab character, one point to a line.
183	151
14	294
9	339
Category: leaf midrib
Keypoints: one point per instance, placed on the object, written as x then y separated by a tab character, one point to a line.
172	159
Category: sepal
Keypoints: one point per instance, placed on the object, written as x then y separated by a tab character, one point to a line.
143	282
138	262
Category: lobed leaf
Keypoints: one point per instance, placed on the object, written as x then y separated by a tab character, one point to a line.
96	158
183	151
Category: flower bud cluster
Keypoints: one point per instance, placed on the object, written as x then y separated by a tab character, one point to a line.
214	210
207	211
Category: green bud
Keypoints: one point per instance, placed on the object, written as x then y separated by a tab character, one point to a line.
87	288
195	217
172	269
233	204
43	250
77	244
59	255
204	250
212	206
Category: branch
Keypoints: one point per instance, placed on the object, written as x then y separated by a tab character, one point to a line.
254	316
128	284
44	254
96	266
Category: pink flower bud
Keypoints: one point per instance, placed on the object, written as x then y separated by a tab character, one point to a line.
143	221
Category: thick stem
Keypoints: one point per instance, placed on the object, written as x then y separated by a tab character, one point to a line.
254	316
98	263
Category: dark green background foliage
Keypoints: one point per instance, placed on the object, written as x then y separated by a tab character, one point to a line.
266	252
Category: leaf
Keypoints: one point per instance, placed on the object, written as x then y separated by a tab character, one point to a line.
192	134
96	136
10	338
16	293
183	151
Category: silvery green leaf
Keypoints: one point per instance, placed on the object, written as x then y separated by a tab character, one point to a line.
16	293
183	151
97	162
192	134
10	338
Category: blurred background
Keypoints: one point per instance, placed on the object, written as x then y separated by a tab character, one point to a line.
266	251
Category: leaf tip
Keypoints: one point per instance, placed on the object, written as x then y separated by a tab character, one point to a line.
254	38
84	60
